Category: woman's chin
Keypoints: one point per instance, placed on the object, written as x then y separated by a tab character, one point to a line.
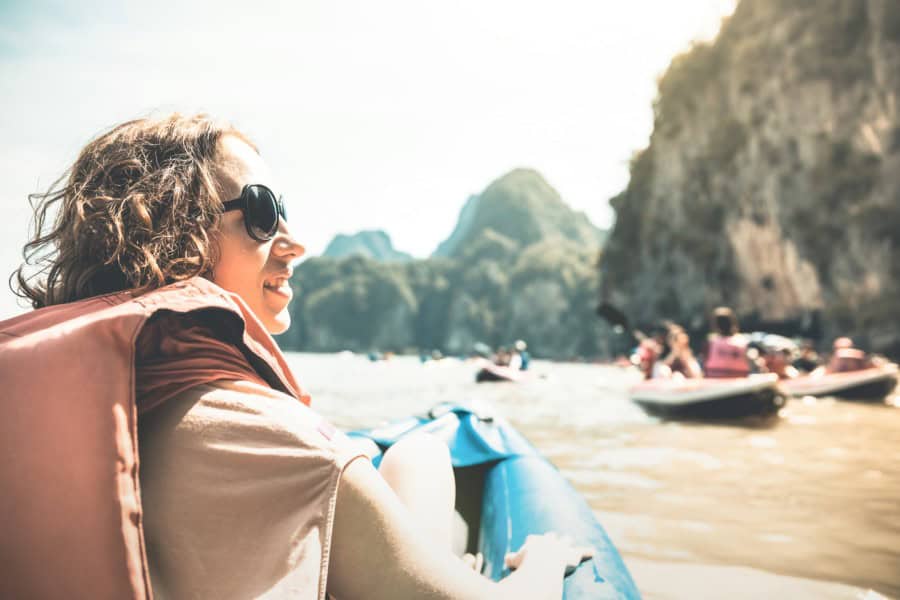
279	323
275	311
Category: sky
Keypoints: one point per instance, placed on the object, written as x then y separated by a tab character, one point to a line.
373	115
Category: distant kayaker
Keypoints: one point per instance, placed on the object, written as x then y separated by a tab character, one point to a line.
778	361
681	360
807	358
726	353
774	354
845	357
520	357
502	357
162	442
645	357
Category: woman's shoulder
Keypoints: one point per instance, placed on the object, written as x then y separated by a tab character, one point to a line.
248	413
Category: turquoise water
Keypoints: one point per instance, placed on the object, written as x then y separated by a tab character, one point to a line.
806	505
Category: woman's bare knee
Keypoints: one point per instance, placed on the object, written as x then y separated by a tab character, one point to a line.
421	451
419	470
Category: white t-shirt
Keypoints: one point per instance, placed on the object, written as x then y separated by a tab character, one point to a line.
238	486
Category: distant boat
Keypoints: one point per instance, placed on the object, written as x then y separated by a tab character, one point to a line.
872	384
490	372
709	397
507	491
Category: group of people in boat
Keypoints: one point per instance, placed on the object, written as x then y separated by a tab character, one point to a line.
729	353
516	357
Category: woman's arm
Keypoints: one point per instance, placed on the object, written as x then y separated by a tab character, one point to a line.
377	553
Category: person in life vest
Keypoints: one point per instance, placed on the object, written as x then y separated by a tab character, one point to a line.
645	356
846	358
726	353
648	352
155	439
779	361
520	357
807	359
776	354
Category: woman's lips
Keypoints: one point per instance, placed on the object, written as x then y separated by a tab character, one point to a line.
282	290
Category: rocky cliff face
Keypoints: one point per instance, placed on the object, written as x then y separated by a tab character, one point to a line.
772	179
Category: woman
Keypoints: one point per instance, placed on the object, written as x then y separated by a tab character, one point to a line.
846	358
726	354
680	359
165	272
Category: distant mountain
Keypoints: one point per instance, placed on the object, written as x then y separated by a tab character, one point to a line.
520	264
463	226
523	207
375	244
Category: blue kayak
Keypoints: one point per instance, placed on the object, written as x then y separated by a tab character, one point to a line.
506	491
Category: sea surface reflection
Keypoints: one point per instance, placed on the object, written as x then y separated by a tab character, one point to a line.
804	505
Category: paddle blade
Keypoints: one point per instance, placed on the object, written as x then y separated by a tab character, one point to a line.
613	315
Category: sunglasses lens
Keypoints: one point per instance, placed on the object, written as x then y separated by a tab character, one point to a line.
262	212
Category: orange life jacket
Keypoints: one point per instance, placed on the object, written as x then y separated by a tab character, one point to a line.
727	357
70	506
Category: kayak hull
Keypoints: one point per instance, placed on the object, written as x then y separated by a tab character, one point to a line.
526	495
708	398
507	491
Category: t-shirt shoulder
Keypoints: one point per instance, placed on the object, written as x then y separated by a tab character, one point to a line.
239	483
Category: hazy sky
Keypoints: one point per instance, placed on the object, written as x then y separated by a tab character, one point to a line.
381	114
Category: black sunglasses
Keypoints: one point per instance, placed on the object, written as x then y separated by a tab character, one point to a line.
262	211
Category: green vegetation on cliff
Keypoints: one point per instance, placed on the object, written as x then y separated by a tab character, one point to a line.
520	264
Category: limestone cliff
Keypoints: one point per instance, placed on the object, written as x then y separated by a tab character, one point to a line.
521	206
772	179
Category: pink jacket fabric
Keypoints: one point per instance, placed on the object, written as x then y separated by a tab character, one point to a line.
727	357
845	360
70	505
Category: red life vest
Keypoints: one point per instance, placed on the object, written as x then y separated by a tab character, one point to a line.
727	357
70	507
847	359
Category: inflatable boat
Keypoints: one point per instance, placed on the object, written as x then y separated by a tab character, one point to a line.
491	372
708	397
868	384
506	491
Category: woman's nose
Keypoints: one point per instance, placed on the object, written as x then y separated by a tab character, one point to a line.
286	245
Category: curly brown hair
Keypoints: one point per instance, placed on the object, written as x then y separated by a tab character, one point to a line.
135	212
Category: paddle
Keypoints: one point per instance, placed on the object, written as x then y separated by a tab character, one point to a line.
615	317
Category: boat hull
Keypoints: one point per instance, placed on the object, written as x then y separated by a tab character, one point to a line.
871	385
709	398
